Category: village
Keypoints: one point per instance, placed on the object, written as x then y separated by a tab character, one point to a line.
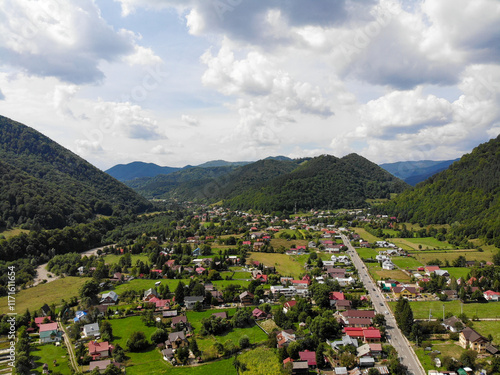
283	284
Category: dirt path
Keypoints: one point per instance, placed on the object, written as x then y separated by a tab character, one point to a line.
43	274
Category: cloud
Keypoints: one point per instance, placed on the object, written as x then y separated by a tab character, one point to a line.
143	56
2	96
160	150
63	94
129	120
190	120
85	147
67	40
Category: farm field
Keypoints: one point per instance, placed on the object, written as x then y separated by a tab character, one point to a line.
426	243
47	354
261	361
458	272
12	232
277	242
284	264
481	310
53	292
194	317
486	327
224	366
378	273
451	255
367	253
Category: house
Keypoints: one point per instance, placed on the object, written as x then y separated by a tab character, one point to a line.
168	354
108	299
346	340
347	315
388	265
470	339
91	330
288	305
98	350
366	362
343	305
246	298
189	302
431	269
181	320
169	314
376	350
490	295
453	324
261	277
451	295
258	314
41	319
404	292
284	338
150	293
443	273
309	357
176	340
366	334
101	365
340	370
335	297
48	327
50	336
222	315
45	309
80	316
300	367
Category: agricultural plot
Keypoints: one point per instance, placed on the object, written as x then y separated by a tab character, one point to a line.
426	256
458	272
367	253
224	366
35	297
114	259
421	309
365	235
379	274
406	262
261	361
487	327
423	243
446	347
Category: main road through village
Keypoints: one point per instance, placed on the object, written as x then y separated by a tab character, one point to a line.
394	335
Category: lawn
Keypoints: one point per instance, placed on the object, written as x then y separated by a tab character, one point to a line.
481	310
194	318
144	284
458	272
113	259
285	265
53	292
220	367
406	262
365	235
425	243
47	354
123	328
367	253
378	273
487	327
277	242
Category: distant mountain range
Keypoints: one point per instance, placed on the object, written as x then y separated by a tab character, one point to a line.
278	183
413	172
44	185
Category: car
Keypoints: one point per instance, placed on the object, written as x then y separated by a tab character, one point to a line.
381	304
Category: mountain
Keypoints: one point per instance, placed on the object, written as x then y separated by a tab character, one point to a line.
46	185
321	182
276	184
413	172
137	169
466	195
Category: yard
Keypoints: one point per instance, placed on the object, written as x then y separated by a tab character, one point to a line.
458	272
367	253
378	273
406	262
365	235
451	255
261	361
114	259
47	354
425	243
446	347
54	292
487	327
285	265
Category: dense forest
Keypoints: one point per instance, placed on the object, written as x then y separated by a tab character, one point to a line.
278	184
466	195
322	182
44	185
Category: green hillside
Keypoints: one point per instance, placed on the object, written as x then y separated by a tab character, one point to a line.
465	195
322	182
45	185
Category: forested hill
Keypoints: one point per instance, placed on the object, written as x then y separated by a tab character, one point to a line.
45	185
322	182
467	194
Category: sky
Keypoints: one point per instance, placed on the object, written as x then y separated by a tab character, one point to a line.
177	82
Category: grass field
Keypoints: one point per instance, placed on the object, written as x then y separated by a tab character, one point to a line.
221	367
378	273
12	232
285	265
425	243
261	361
451	255
481	310
365	235
123	328
47	354
194	318
53	292
458	272
489	327
139	284
277	242
367	253
113	259
406	262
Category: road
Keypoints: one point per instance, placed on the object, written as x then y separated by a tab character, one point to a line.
393	333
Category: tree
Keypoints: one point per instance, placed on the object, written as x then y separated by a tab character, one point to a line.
468	358
320	357
347	360
106	330
373	371
193	346
88	292
137	341
182	355
241	318
244	342
159	336
293	350
147	317
118	353
179	293
324	328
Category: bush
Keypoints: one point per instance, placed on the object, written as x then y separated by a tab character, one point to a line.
244	342
454	336
137	342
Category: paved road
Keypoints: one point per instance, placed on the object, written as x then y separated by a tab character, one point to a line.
394	335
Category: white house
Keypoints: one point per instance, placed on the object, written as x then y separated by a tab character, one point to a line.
91	330
388	265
